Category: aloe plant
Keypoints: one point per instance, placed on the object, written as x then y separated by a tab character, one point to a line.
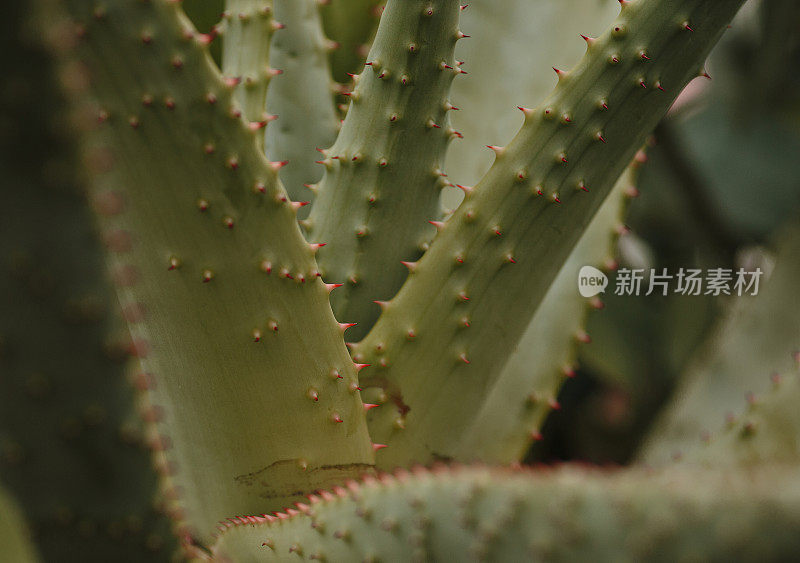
272	440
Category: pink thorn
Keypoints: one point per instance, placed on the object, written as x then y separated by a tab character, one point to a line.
555	405
314	246
376	447
359	367
588	39
336	418
466	189
331	286
232	81
410	265
207	38
437	224
298	204
463	358
370	406
256	125
344	326
382	304
277	165
559	72
536	436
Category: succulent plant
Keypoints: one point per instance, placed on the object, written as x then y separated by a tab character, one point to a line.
270	438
